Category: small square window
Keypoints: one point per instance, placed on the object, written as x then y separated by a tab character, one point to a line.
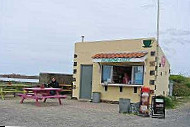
75	64
152	72
152	53
152	63
135	89
160	64
74	79
75	55
151	82
74	71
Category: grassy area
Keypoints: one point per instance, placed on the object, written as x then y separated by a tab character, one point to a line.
174	102
181	85
181	91
18	83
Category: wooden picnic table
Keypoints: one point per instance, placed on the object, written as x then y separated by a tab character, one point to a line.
40	94
4	89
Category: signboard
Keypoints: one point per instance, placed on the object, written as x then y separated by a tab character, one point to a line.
163	61
110	60
115	60
158	107
147	43
144	103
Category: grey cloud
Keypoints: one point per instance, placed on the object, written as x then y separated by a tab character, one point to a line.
176	32
39	35
147	6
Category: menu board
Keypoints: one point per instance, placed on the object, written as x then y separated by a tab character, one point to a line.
144	103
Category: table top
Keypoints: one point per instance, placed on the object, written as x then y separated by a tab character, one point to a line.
42	89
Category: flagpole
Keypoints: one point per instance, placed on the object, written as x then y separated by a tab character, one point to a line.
158	34
158	20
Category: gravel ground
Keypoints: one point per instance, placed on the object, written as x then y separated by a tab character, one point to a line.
82	114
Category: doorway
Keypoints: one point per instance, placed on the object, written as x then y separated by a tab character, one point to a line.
86	82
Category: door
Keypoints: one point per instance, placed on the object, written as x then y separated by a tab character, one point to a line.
86	82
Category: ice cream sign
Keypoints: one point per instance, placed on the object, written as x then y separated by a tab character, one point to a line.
163	61
105	60
116	60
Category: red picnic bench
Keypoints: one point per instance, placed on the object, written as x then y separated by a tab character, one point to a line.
40	94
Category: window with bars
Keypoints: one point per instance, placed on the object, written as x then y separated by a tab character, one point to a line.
75	55
152	53
75	64
74	71
152	63
152	82
152	72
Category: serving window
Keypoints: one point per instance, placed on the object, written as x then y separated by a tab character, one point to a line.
122	74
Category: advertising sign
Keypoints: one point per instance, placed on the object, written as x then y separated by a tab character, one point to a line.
112	60
158	107
163	61
144	103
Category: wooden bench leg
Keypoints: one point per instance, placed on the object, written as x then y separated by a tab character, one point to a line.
45	100
2	96
37	103
59	100
22	100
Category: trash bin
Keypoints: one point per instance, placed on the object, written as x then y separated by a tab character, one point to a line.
124	105
96	97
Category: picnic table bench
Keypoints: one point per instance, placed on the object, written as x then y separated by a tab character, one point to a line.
5	89
40	94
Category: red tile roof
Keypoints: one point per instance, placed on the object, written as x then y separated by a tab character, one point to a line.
120	55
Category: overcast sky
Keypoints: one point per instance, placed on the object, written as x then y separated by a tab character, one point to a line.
39	35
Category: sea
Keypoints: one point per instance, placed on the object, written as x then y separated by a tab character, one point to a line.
20	80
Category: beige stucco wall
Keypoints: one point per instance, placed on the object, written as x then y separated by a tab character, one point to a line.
163	76
85	50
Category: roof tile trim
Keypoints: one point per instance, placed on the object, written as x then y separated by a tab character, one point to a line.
120	55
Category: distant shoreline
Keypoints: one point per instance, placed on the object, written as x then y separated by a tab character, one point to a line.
18	76
18	80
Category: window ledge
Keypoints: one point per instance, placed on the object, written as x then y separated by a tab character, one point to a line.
125	85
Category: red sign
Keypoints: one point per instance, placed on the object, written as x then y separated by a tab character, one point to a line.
144	103
163	61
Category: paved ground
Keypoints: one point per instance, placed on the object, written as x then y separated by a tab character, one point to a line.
82	114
